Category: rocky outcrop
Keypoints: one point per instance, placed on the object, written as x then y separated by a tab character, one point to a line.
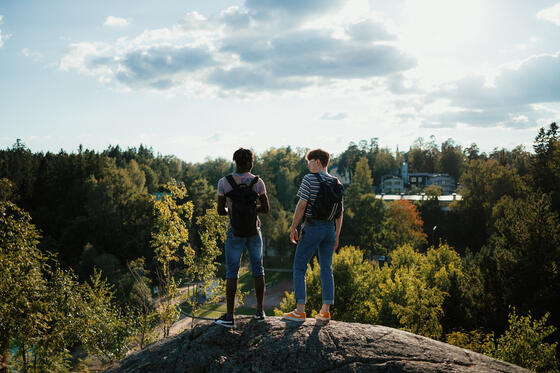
284	346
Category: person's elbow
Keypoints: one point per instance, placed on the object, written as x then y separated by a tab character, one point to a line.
264	206
301	205
221	206
221	210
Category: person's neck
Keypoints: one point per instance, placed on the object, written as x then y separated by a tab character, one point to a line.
323	170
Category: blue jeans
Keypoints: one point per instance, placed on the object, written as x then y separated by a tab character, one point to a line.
315	234
234	249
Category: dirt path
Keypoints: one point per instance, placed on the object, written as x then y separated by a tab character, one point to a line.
273	295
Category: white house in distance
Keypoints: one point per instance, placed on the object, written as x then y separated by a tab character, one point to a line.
392	184
420	180
444	201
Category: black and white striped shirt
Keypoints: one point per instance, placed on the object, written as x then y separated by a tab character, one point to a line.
309	188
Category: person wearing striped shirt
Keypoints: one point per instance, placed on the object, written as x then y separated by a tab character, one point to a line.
315	234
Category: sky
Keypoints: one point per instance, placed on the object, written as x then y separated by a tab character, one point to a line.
200	79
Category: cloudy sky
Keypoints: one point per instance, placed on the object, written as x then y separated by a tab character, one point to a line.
199	79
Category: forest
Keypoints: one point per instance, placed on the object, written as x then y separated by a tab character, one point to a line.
86	236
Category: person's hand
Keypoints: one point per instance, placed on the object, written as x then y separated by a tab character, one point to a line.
294	236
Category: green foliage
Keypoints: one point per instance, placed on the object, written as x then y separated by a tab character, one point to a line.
403	225
433	191
351	272
202	195
423	156
44	310
483	184
362	183
281	170
520	263
201	264
523	343
214	169
486	181
287	304
95	210
360	203
545	168
170	234
382	163
476	340
105	327
415	288
7	190
381	160
407	294
276	227
368	220
135	290
451	160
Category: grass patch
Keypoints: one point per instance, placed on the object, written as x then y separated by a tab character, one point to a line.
245	284
210	311
215	310
272	279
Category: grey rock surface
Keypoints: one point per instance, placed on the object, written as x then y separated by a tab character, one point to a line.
276	345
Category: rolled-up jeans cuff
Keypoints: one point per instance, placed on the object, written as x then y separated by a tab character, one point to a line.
300	301
328	302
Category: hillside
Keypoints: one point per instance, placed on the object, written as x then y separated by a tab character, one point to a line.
281	346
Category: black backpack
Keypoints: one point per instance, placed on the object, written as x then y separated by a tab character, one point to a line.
328	203
243	214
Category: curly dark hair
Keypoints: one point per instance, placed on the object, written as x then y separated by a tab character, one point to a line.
243	160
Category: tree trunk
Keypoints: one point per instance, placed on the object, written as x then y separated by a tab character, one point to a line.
4	353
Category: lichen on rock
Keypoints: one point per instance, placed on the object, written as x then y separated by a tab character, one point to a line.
276	345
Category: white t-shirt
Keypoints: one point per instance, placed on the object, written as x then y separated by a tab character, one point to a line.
245	178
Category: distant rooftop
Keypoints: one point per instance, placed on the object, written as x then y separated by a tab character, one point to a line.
419	197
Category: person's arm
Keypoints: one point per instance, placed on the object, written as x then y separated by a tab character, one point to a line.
338	227
222	209
264	207
298	215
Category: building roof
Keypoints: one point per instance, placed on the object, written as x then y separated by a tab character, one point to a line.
418	197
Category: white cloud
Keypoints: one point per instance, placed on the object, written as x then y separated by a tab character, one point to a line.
33	54
112	21
551	14
334	116
510	102
265	46
78	55
3	37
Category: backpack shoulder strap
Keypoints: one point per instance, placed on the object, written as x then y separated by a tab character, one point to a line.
254	181
319	179
232	182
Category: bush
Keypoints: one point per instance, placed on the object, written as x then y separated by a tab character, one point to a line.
407	294
523	343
